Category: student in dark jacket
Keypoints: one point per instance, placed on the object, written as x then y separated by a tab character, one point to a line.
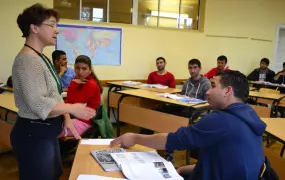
263	73
280	78
229	138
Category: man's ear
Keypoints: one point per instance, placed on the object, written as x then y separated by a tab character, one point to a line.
229	91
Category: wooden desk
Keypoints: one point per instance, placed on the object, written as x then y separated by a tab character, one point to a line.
156	116
6	88
266	95
118	85
84	163
252	88
152	95
276	98
7	102
275	128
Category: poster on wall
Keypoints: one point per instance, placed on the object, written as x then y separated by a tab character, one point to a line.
101	44
279	48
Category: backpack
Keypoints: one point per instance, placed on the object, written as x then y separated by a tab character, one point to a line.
267	172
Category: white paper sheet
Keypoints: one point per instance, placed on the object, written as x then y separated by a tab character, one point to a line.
96	141
95	177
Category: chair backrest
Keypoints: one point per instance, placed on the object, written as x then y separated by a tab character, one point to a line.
276	162
261	111
267	90
5	130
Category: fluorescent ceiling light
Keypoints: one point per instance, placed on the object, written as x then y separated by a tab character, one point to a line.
169	15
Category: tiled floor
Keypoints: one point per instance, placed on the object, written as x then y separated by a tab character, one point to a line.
9	171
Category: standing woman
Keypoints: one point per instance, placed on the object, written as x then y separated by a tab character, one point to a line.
37	90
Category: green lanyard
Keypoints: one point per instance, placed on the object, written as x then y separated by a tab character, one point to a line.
50	67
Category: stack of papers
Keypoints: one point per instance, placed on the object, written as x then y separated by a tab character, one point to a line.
132	83
266	83
96	141
158	86
185	99
145	165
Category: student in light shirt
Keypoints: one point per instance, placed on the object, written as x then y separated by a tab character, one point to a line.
263	73
65	73
161	76
221	65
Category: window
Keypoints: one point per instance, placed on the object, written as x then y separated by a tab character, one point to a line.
168	14
144	12
120	11
190	8
97	9
68	9
183	14
85	13
98	14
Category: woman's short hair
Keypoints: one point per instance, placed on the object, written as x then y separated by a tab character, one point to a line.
34	14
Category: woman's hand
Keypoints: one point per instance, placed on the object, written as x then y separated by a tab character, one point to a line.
68	125
82	112
80	81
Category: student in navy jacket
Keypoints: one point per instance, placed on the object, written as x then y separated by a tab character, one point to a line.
229	138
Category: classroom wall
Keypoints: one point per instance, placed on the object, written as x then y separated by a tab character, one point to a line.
236	20
10	36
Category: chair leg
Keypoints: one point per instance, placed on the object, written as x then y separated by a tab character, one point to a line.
282	150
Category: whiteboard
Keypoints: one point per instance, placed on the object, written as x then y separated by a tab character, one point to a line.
279	48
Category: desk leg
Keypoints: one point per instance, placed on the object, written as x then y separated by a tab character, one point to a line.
108	100
118	115
274	108
282	150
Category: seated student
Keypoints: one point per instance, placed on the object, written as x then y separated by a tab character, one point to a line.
230	138
85	88
161	76
65	73
280	76
195	87
263	73
221	65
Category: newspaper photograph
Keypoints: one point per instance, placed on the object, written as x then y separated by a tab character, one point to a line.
105	160
150	171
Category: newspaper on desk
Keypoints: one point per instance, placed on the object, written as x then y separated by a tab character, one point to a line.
131	83
105	160
158	86
180	98
145	165
267	83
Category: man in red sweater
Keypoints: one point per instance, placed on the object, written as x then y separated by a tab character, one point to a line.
221	65
161	76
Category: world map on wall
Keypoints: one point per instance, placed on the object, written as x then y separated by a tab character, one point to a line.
101	44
